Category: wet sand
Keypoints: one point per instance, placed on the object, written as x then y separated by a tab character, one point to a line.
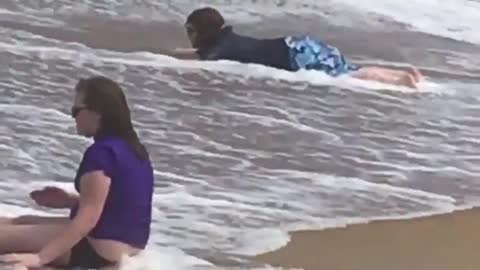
440	242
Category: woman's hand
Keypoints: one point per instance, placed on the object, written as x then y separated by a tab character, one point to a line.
28	260
53	197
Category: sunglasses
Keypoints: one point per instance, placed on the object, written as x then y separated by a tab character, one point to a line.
76	109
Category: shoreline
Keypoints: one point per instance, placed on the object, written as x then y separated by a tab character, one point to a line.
447	241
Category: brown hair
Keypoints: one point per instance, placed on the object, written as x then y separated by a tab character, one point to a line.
106	97
208	23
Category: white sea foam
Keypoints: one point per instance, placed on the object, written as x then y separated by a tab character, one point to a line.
244	72
456	19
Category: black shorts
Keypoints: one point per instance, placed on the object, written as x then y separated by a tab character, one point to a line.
83	255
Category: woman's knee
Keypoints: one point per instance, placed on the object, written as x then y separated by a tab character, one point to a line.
24	220
33	220
27	220
20	220
5	220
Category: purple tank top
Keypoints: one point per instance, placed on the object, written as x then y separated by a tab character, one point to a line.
127	213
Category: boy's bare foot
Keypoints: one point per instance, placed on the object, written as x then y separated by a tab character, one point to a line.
415	73
408	80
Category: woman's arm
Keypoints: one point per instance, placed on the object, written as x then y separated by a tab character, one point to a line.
94	188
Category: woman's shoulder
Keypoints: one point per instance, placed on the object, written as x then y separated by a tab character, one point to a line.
109	141
107	145
114	147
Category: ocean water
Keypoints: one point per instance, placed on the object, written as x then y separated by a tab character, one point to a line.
245	153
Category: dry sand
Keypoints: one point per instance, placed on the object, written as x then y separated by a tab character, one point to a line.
440	242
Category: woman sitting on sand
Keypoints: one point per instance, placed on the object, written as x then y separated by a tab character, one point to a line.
212	40
111	216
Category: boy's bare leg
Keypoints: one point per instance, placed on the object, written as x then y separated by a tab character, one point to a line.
385	75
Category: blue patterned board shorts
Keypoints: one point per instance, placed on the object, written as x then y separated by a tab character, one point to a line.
308	53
